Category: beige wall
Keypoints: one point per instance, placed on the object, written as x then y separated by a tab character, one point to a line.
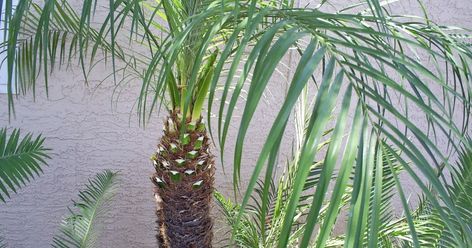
88	133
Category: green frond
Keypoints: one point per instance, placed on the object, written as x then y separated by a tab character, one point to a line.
79	229
398	232
461	185
381	207
459	188
2	243
244	233
44	34
381	228
21	159
51	36
265	225
430	227
370	199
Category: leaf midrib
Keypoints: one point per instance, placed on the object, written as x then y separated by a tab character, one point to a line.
30	152
94	211
18	155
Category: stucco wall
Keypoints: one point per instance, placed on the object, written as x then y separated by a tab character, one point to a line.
88	133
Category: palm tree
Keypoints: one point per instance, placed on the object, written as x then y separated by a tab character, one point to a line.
361	61
183	161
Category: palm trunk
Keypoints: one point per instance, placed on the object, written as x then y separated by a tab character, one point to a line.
184	186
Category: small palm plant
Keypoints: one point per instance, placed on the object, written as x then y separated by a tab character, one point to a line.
390	229
361	61
21	159
80	228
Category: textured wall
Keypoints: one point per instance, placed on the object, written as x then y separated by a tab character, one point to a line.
88	132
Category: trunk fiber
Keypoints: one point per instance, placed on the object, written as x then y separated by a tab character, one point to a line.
183	186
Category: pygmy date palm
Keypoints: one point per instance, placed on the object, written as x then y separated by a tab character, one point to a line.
361	62
40	34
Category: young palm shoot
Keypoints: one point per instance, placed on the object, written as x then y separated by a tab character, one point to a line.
79	229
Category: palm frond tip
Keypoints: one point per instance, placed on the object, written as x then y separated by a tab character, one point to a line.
79	229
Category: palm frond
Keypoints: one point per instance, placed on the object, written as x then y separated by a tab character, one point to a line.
381	207
430	228
461	182
244	233
377	225
50	36
21	159
397	233
262	224
461	186
2	243
79	229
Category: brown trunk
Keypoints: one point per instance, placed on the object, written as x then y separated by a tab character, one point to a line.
183	186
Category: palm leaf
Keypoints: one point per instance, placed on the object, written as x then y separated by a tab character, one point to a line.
79	229
430	227
380	227
50	36
461	185
380	207
461	182
2	243
21	159
244	233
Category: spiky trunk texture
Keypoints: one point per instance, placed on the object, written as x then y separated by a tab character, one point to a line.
184	185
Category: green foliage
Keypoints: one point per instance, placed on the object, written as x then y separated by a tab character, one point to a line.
461	185
244	232
433	225
79	228
362	64
262	225
376	222
42	35
21	159
366	53
2	243
42	38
